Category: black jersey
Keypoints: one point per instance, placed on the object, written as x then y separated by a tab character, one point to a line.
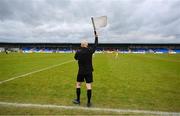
84	57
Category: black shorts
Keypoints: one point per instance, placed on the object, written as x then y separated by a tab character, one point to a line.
88	77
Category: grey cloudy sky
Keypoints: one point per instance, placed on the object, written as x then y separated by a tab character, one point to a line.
129	21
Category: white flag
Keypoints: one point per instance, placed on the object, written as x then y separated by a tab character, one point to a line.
100	21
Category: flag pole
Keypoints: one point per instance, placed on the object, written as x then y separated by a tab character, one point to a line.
93	26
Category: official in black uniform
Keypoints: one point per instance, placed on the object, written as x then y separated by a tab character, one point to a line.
84	58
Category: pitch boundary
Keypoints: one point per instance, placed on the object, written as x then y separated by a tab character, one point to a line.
49	67
23	105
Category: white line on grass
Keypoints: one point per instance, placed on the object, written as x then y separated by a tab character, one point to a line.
88	109
1	82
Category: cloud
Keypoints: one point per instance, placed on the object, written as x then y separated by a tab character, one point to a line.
130	21
137	37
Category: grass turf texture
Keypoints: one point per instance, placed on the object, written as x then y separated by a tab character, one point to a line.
130	81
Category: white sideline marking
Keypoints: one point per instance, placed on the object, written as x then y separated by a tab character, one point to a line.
89	109
1	82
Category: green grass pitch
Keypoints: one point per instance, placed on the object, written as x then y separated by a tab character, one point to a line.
130	81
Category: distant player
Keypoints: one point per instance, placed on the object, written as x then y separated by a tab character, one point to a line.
6	51
116	56
84	58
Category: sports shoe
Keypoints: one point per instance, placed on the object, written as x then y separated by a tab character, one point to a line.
75	101
89	104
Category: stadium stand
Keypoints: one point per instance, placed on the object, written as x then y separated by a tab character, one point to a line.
160	50
102	47
176	50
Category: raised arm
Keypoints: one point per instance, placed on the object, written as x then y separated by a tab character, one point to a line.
95	43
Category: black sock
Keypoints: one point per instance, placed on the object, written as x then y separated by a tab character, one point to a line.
78	92
89	95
